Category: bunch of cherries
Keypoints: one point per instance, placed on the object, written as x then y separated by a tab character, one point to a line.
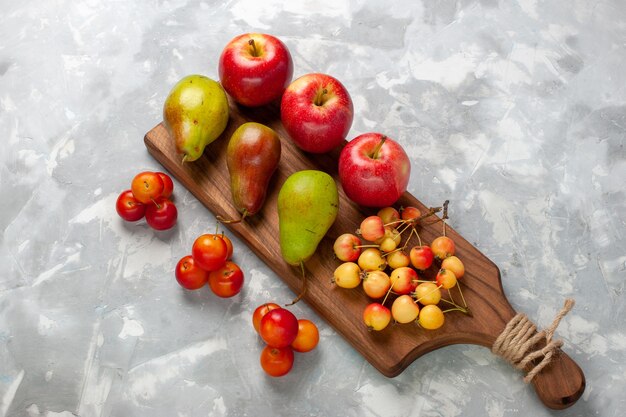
414	299
210	262
149	196
283	333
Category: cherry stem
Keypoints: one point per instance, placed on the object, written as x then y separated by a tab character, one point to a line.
444	217
461	292
388	291
409	238
253	45
155	203
390	252
450	294
303	291
464	310
394	222
319	98
366	246
431	211
419	239
406	226
378	147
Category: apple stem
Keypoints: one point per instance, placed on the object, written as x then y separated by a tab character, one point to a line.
319	98
378	147
253	45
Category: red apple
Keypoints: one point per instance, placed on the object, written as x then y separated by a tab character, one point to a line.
255	69
374	170
317	112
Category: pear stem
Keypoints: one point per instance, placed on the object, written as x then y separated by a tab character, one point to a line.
378	147
319	98
232	221
304	282
253	45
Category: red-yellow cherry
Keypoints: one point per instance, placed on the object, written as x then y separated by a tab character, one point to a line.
376	284
421	257
455	265
347	275
427	293
261	311
388	215
411	213
398	259
390	240
347	247
404	309
307	338
442	247
403	280
446	279
431	317
147	186
372	228
371	259
376	316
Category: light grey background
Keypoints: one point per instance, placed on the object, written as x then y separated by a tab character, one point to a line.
515	111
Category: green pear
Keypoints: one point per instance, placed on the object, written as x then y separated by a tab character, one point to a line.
307	207
195	113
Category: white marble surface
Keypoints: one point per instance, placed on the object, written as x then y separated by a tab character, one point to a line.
514	110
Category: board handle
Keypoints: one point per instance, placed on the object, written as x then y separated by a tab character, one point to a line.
561	383
558	380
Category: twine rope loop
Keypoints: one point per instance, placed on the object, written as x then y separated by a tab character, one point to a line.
516	344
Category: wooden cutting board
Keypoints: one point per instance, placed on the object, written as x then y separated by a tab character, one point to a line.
390	351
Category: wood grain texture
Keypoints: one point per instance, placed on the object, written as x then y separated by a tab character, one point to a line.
390	351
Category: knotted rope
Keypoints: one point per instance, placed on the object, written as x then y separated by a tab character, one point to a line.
517	340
